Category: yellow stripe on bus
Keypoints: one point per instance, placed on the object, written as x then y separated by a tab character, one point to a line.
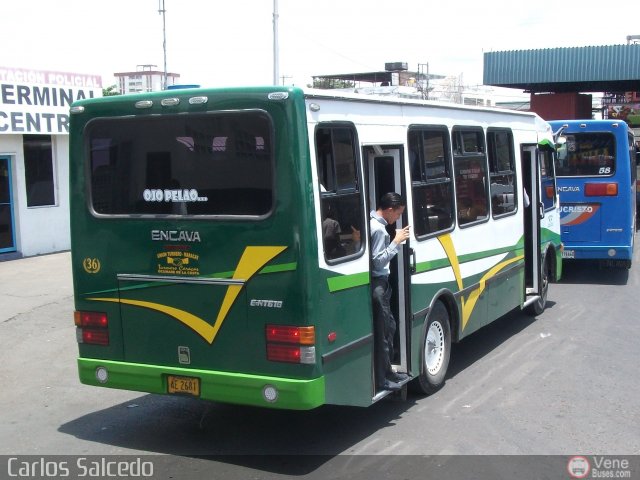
469	304
252	260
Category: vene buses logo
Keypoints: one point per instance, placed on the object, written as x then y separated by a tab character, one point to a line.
578	467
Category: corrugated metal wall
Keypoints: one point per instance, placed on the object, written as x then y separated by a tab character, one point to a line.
579	64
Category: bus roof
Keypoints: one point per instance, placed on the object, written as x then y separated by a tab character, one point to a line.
310	94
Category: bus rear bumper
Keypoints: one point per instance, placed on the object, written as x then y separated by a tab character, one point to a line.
226	387
582	252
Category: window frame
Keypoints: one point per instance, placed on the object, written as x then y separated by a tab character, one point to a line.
456	136
609	133
88	177
53	164
500	173
336	193
426	182
552	164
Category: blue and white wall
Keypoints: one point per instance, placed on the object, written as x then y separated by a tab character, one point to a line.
34	102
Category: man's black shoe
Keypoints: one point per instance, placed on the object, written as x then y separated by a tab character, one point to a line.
397	377
392	386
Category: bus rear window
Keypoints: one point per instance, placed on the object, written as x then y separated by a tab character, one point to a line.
586	154
198	164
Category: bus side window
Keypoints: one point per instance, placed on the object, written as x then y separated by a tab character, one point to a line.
548	179
470	175
430	165
340	194
502	171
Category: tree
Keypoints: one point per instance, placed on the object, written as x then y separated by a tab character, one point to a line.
328	83
110	91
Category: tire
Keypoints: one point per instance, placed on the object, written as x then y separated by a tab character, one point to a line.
537	307
436	350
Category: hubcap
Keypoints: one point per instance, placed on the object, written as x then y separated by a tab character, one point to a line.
434	348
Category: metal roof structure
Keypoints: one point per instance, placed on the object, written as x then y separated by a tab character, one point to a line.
612	68
397	69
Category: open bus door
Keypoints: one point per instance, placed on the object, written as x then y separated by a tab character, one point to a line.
385	174
536	281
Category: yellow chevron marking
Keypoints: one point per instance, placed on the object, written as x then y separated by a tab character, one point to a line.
469	304
252	260
195	323
467	307
450	250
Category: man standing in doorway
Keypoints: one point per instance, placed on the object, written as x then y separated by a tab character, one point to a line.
390	209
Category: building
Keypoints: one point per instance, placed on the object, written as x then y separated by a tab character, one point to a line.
144	79
560	80
34	157
396	80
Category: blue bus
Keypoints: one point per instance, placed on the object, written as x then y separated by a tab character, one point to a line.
596	180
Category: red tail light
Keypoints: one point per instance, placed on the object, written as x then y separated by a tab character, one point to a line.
287	334
91	319
549	191
283	353
291	344
600	189
95	336
93	327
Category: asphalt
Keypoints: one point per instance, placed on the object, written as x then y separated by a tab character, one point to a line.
27	284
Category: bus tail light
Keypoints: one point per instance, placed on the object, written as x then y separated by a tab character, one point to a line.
291	344
291	354
601	189
549	191
287	334
92	327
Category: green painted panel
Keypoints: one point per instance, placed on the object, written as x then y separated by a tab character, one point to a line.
216	386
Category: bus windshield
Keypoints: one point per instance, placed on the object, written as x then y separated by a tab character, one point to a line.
199	164
586	154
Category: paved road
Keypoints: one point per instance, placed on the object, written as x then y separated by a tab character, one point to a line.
565	383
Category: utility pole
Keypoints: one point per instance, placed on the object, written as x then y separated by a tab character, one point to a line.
423	80
276	59
162	11
284	78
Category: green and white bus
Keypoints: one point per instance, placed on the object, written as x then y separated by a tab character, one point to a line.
200	265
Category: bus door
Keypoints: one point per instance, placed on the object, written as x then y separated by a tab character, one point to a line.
533	213
385	173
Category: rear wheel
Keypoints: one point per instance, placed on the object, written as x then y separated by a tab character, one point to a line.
537	307
436	350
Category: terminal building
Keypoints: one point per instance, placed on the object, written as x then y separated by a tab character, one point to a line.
34	158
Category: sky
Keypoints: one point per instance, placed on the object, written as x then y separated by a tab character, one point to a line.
223	43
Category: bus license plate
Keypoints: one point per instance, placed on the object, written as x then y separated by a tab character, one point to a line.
188	385
568	254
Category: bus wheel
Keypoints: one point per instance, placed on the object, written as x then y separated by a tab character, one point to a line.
537	307
436	350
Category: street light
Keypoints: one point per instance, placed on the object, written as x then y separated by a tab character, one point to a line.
162	11
276	68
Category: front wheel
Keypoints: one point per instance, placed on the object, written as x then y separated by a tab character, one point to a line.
436	350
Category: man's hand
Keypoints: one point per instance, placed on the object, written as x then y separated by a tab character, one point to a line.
355	234
402	235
